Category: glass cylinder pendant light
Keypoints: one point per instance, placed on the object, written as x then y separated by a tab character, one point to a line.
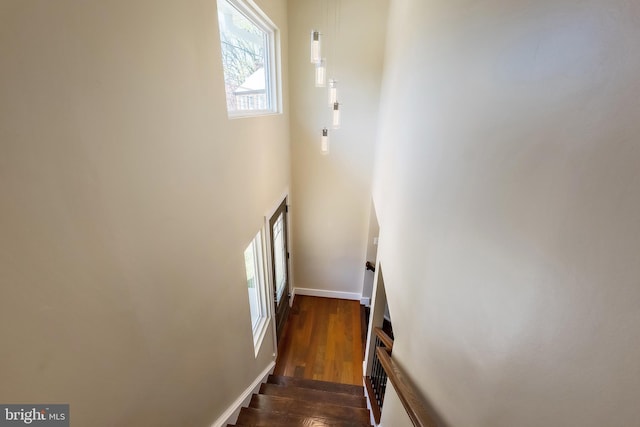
321	73
333	92
336	115
324	141
315	47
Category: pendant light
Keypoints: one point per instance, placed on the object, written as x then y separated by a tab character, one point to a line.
324	141
333	92
336	115
321	73
315	46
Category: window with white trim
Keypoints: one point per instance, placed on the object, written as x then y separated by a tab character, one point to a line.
256	287
249	60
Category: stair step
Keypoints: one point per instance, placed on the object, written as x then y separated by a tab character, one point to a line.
252	417
310	409
341	399
317	385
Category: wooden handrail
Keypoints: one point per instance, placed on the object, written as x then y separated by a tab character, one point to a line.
416	410
386	339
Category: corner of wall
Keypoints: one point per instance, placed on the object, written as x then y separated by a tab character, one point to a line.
231	414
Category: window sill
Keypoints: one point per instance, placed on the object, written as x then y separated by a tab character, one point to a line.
233	116
259	333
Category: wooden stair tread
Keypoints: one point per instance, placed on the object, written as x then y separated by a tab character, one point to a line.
252	417
301	393
316	385
308	408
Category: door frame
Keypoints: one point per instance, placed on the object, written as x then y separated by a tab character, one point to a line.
284	197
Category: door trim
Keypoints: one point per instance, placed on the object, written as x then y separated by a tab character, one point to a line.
285	196
267	216
281	308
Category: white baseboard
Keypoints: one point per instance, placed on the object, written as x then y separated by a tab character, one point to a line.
366	301
231	414
327	294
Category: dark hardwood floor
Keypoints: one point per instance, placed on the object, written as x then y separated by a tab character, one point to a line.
295	402
322	341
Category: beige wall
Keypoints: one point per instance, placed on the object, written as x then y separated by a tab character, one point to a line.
392	408
127	199
331	194
506	188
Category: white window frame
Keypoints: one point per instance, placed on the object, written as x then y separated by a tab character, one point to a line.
272	57
259	330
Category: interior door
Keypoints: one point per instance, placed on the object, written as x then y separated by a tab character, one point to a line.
280	265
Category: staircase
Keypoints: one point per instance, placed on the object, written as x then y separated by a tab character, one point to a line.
296	402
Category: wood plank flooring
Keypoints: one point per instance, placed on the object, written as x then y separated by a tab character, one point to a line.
322	341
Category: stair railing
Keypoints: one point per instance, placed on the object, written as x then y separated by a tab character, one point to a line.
376	383
408	395
385	368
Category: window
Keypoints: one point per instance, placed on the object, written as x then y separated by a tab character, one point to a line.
254	266
248	44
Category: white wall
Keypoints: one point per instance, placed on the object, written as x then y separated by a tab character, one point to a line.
331	194
128	199
506	188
